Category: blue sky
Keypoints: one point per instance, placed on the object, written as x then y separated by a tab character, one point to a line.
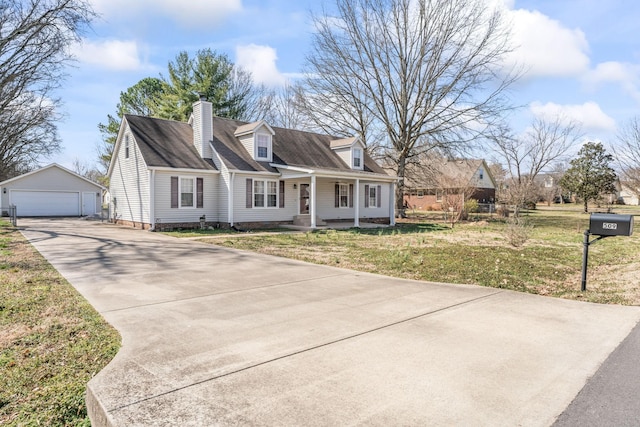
582	56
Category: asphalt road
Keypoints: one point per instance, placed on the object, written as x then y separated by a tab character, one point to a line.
612	396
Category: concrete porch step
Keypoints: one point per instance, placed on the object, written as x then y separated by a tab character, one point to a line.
304	220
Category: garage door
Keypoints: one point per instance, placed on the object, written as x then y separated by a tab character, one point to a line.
46	203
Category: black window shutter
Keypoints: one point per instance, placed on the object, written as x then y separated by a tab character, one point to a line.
350	195
249	193
379	195
366	196
199	192
174	191
337	195
281	194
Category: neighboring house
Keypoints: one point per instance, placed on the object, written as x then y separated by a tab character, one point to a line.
425	187
231	173
627	193
51	191
548	188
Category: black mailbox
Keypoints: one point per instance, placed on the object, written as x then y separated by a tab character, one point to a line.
611	224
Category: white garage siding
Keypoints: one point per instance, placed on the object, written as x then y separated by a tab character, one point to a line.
51	191
45	203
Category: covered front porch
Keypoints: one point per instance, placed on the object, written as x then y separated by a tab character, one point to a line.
340	200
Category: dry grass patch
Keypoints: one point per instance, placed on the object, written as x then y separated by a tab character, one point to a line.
548	263
51	341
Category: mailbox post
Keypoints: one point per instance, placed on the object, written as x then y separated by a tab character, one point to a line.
603	225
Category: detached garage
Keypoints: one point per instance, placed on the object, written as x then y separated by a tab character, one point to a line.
51	191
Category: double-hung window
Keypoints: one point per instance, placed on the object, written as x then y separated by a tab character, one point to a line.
187	188
265	194
126	146
262	146
187	192
344	195
357	157
373	195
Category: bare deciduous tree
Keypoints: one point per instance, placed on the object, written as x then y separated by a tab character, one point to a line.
283	107
425	72
627	154
525	157
87	170
35	36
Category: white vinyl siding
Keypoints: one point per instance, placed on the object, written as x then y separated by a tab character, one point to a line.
247	143
326	201
243	214
50	179
166	214
129	186
222	189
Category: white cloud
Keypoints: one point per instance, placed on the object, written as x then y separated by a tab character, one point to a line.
118	55
624	74
543	46
261	62
589	114
189	14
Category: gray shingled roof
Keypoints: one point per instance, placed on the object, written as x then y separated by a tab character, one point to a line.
459	170
290	147
166	143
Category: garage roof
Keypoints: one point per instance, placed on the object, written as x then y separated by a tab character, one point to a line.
52	165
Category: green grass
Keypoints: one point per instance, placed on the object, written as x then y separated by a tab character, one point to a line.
476	252
51	340
219	232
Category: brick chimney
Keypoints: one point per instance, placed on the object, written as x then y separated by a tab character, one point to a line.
203	127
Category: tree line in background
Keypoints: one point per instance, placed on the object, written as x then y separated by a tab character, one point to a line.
413	79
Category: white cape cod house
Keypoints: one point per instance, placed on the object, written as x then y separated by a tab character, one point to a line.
231	173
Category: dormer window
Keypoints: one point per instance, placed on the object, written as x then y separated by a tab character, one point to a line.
263	147
357	158
257	139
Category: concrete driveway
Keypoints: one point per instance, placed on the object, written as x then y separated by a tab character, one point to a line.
215	336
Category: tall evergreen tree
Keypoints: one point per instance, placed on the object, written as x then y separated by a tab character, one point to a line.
230	89
140	99
589	175
209	74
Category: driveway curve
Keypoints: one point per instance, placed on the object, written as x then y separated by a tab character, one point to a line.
216	336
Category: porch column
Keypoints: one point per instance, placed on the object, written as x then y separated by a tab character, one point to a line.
356	204
392	203
312	201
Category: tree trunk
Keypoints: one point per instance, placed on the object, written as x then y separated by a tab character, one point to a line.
586	207
400	187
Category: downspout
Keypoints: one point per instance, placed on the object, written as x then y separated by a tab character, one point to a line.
230	199
356	204
152	199
392	204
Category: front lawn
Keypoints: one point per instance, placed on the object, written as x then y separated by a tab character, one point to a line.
475	252
52	342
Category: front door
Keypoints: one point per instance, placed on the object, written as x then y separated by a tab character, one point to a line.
304	199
